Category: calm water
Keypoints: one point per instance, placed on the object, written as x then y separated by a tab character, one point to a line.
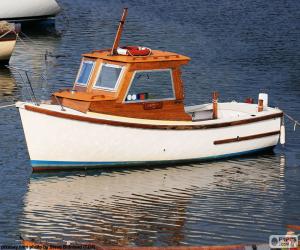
239	48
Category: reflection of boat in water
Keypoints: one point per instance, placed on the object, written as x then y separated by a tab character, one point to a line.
7	83
43	245
119	195
28	10
126	109
8	38
124	207
289	241
42	186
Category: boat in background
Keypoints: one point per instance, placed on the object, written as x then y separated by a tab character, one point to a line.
28	10
8	37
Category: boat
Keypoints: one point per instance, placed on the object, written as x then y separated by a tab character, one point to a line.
126	108
8	38
28	10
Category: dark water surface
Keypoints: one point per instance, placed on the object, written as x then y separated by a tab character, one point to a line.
239	48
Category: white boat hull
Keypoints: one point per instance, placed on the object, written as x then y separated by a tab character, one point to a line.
6	50
28	10
55	142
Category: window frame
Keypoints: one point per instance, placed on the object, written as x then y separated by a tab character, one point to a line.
118	81
151	100
90	75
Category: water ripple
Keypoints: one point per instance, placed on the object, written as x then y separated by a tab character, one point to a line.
224	202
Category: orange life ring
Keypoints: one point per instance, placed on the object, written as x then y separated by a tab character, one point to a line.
134	51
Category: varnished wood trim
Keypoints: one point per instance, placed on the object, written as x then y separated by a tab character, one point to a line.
170	110
245	138
153	105
149	126
295	227
178	84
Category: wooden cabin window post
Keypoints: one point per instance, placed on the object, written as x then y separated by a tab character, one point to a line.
178	84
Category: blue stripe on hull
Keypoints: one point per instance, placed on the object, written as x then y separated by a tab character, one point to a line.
38	165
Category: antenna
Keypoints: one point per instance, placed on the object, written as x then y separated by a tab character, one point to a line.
119	32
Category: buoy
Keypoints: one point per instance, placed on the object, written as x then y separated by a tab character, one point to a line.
134	51
282	134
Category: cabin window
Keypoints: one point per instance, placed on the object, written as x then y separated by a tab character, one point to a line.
151	85
109	76
85	72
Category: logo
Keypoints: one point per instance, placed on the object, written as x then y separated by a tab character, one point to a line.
283	241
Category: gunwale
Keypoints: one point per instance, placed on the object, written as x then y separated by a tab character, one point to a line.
184	126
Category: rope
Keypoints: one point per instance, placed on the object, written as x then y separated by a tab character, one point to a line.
27	37
7	106
19	38
6	33
293	120
24	43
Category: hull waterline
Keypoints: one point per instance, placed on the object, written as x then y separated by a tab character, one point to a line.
41	166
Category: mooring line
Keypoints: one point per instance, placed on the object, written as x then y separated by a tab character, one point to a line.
6	33
293	120
7	106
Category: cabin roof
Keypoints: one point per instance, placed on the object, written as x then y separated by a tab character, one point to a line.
156	56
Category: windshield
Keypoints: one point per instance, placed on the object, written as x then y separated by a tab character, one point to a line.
85	72
151	85
109	76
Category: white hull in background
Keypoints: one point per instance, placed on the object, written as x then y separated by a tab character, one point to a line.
55	142
27	10
6	49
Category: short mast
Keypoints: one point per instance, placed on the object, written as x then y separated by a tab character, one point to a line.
119	32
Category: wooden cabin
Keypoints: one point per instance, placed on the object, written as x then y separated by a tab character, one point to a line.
147	87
